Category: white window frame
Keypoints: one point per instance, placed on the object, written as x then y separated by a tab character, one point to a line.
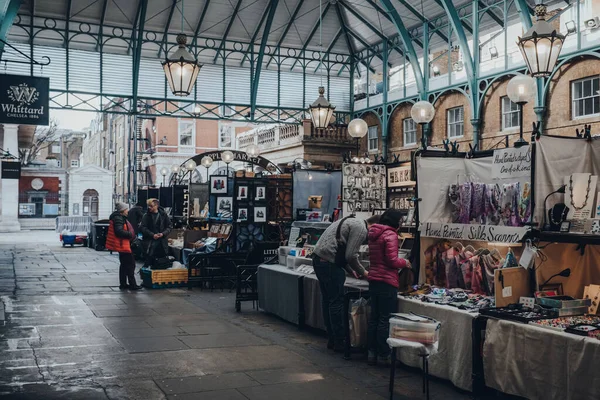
508	109
121	154
409	127
180	122
222	128
74	163
583	97
373	138
55	149
452	122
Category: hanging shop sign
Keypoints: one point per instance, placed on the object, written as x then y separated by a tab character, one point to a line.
11	169
484	233
24	100
512	163
399	177
242	157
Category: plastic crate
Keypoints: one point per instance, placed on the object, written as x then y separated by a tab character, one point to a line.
167	278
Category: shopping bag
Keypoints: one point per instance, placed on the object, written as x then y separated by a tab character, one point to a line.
358	317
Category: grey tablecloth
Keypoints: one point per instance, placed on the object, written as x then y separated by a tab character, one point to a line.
279	291
313	314
454	360
539	363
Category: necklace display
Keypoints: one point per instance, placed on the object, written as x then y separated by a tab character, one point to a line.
587	194
562	214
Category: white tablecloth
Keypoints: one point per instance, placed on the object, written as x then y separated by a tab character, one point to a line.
539	363
454	359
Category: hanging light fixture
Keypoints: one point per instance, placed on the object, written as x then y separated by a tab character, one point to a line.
181	68
541	45
321	110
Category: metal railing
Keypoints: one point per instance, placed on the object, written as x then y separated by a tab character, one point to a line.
272	137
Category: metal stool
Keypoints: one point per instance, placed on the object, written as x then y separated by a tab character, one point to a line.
424	352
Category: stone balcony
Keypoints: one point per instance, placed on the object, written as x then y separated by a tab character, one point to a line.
286	142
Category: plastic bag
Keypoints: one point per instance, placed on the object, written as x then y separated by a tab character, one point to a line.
358	317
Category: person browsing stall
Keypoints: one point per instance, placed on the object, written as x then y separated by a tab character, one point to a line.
330	269
155	228
119	238
383	283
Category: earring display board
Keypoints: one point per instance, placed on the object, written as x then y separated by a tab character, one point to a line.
363	188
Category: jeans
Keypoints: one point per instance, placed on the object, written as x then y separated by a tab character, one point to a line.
127	269
384	301
331	281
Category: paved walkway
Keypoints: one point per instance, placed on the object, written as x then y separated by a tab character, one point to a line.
68	332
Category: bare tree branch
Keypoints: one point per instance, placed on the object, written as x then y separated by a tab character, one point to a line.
43	138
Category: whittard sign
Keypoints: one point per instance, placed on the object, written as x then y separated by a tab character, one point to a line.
24	100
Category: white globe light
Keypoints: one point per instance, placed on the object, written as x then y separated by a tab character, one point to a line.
521	89
355	159
175	169
422	112
368	160
253	150
190	165
206	162
197	109
358	128
227	156
164	171
362	160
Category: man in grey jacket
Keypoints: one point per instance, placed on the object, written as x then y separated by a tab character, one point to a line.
332	277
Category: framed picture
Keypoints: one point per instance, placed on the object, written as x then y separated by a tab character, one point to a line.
223	229
224	207
410	217
227	229
326	218
242	214
218	184
242	192
260	214
261	193
565	226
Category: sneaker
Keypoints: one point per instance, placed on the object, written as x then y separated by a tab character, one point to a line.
135	287
372	358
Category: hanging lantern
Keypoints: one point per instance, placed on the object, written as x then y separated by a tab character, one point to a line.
253	150
227	156
541	45
190	165
206	162
422	112
321	110
181	69
358	128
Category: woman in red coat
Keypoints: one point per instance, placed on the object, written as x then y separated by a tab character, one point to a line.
383	282
120	235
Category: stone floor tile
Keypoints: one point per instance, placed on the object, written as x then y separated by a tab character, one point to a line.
205	383
152	344
222	340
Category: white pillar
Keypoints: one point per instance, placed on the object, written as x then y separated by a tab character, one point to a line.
9	214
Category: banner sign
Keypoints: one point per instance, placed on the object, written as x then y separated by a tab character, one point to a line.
239	156
485	233
512	163
11	169
24	100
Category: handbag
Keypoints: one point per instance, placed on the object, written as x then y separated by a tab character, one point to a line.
136	248
340	253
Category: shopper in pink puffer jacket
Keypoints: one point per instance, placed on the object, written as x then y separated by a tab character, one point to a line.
383	282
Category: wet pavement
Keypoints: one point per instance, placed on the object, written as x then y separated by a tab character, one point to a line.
68	332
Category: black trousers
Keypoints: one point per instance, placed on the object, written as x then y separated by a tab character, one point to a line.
127	269
331	281
384	301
